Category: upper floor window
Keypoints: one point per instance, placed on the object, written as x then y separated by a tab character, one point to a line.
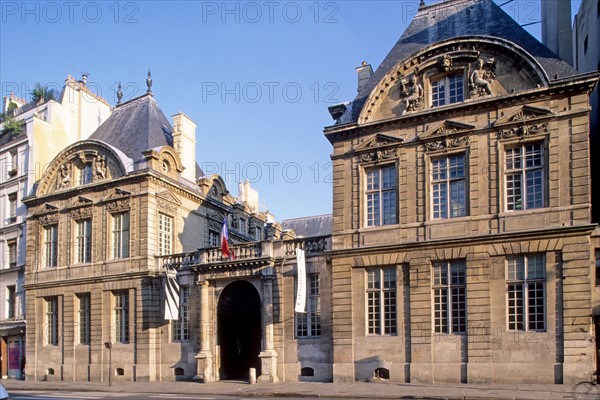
447	90
381	301
85	174
381	188
597	267
450	297
12	253
165	234
120	235
525	177
449	187
13	164
83	242
309	324
213	238
525	281
51	245
12	208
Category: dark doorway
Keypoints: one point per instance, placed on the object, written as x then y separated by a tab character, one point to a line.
597	328
239	330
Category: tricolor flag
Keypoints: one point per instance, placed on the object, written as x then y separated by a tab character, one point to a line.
171	295
225	251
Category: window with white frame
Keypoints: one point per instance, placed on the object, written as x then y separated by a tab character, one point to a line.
525	177
120	235
213	238
181	327
381	189
525	287
52	320
13	165
165	234
309	324
448	186
243	226
51	245
381	301
84	317
447	90
450	296
121	315
83	241
12	253
85	174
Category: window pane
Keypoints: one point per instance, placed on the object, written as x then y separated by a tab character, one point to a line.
374	319
440	274
440	200
514	192
459	310
456	88
373	279
535	297
389	207
535	196
440	311
515	307
535	266
533	155
458	196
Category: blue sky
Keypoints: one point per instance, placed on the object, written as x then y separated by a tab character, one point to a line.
256	76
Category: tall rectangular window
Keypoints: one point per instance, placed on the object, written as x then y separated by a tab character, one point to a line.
447	90
525	281
83	241
85	174
84	318
11	301
12	208
120	235
181	327
51	245
52	320
122	316
381	301
381	188
598	264
309	324
450	297
165	234
12	253
213	238
449	187
525	177
13	164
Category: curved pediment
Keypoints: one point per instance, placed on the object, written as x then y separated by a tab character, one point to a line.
458	70
83	163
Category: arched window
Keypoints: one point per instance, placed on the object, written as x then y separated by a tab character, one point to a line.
307	371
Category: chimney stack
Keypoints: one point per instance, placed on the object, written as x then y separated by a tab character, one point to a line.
184	142
364	73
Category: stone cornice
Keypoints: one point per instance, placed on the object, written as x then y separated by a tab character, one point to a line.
559	232
124	276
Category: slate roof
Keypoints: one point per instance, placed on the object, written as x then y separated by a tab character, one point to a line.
317	225
452	19
136	126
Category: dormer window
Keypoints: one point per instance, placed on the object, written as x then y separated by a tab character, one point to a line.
447	90
85	174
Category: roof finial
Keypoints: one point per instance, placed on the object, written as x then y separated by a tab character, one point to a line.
422	3
149	82
119	94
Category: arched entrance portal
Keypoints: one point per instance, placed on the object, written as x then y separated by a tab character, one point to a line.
239	330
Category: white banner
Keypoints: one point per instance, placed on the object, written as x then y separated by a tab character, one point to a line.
171	294
301	289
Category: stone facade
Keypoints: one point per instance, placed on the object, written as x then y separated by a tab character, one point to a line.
430	220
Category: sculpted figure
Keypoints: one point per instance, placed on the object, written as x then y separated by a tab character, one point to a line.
100	168
480	78
412	92
64	176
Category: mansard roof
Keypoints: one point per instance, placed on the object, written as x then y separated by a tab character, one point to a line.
136	126
317	225
454	19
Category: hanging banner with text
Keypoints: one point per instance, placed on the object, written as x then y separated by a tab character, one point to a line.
301	289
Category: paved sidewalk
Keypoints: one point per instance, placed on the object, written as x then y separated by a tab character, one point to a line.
382	390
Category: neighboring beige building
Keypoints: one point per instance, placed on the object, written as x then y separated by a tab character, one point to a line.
48	125
461	208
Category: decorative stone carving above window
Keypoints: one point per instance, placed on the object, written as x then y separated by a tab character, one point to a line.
523	130
444	63
447	127
80	213
526	121
447	143
167	201
381	147
47	214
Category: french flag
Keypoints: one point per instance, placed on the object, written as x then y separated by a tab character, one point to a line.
225	251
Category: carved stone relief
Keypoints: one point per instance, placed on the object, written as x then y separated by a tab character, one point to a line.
65	176
482	76
379	155
444	63
523	130
447	143
411	93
